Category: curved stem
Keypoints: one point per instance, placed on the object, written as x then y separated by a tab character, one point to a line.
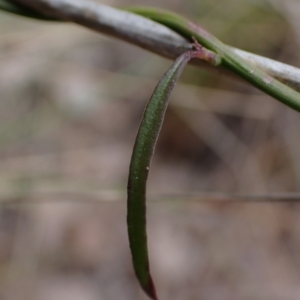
230	59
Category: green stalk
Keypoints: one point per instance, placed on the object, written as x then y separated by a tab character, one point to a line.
232	61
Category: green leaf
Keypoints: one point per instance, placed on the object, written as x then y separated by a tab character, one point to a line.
140	163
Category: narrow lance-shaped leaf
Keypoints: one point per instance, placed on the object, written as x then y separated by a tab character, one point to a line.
140	163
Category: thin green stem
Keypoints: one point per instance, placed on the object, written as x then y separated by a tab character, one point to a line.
231	60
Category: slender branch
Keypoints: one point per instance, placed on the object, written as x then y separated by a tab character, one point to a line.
145	33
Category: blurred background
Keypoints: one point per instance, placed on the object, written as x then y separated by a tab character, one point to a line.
71	102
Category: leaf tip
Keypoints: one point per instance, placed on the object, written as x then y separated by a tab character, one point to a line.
150	289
